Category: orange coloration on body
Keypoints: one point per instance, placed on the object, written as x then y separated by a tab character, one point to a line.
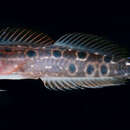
9	68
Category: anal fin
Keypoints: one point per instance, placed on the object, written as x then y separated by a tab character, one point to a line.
80	83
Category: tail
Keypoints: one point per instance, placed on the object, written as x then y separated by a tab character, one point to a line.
128	67
124	67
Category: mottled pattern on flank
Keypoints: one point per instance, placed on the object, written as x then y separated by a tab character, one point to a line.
52	62
59	62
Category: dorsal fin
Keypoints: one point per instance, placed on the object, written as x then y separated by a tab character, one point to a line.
23	37
91	43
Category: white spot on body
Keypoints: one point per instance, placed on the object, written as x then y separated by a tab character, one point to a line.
48	67
126	74
78	59
32	66
42	58
112	62
15	66
96	53
60	67
127	64
46	57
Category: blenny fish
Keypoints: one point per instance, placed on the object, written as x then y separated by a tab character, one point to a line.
74	61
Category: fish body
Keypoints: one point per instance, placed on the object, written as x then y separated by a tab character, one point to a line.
74	61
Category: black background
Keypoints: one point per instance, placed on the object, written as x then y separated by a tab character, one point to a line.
27	104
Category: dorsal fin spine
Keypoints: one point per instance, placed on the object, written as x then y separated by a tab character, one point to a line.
79	42
16	31
87	41
96	42
103	43
14	36
93	41
18	35
47	42
35	38
24	35
71	40
67	37
40	40
1	31
78	39
27	39
4	32
6	35
62	37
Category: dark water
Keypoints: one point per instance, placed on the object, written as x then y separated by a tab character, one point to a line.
29	105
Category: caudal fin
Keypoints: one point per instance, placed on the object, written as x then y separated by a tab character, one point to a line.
128	67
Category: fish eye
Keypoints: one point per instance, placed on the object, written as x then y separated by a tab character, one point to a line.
104	69
107	59
56	53
31	53
90	69
81	55
72	68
